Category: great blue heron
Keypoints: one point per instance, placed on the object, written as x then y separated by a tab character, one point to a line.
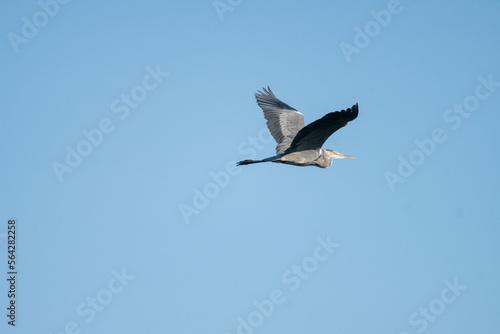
300	145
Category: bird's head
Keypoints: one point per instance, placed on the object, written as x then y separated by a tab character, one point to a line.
336	155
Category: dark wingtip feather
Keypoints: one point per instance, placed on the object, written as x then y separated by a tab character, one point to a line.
354	110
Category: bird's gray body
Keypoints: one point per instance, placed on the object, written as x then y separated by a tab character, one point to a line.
317	157
300	145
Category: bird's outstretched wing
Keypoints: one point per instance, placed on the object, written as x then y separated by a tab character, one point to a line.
315	134
283	121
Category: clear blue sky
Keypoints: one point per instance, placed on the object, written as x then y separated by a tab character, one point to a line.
120	125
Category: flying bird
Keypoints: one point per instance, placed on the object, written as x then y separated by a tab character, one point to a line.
300	145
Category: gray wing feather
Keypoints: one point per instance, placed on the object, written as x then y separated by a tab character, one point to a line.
283	121
314	135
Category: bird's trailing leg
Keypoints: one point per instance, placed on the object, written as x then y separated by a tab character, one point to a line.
249	162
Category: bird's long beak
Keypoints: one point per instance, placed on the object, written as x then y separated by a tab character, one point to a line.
343	156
